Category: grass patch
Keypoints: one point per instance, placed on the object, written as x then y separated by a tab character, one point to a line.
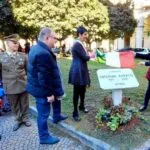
94	99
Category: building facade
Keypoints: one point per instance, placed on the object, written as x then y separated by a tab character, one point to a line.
141	36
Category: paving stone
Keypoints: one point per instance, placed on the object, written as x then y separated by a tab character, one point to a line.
26	138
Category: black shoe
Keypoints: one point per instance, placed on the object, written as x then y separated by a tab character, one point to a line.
142	108
16	126
84	110
62	117
77	118
6	110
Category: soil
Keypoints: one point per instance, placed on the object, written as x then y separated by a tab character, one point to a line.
91	117
131	124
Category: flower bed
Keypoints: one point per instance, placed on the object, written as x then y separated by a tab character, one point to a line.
117	118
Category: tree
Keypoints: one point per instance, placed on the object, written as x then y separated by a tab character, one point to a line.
93	15
7	23
122	22
63	15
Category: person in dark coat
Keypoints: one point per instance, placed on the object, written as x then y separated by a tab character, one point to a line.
27	47
79	73
147	94
44	83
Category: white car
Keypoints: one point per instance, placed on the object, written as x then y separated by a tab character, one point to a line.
142	50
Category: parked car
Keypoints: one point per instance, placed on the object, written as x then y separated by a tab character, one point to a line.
137	50
125	49
142	50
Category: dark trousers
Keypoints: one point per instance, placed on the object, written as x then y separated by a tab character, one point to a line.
56	109
78	91
20	106
147	95
43	108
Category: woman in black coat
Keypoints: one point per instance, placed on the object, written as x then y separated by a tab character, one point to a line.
79	74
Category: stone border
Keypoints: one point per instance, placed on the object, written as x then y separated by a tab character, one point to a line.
145	146
93	143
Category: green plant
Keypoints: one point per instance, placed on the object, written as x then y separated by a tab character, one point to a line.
117	116
125	117
131	109
114	123
102	113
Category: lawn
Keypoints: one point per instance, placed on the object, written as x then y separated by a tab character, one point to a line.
94	100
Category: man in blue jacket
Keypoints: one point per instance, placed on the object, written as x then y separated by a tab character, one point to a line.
44	83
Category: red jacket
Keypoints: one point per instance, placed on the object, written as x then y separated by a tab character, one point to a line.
148	74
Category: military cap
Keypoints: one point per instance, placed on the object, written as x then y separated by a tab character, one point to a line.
12	37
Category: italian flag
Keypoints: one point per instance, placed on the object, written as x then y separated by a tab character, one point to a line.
100	57
120	59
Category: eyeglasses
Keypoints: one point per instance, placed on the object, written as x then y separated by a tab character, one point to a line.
14	42
54	37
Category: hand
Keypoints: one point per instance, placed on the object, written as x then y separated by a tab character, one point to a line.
92	54
142	63
50	99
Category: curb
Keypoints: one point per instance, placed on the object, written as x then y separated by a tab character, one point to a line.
91	142
145	146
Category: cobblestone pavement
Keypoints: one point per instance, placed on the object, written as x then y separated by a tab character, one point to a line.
26	138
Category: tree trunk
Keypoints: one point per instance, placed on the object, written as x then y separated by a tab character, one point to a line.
127	41
111	45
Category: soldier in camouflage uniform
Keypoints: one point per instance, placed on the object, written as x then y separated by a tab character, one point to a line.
14	80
